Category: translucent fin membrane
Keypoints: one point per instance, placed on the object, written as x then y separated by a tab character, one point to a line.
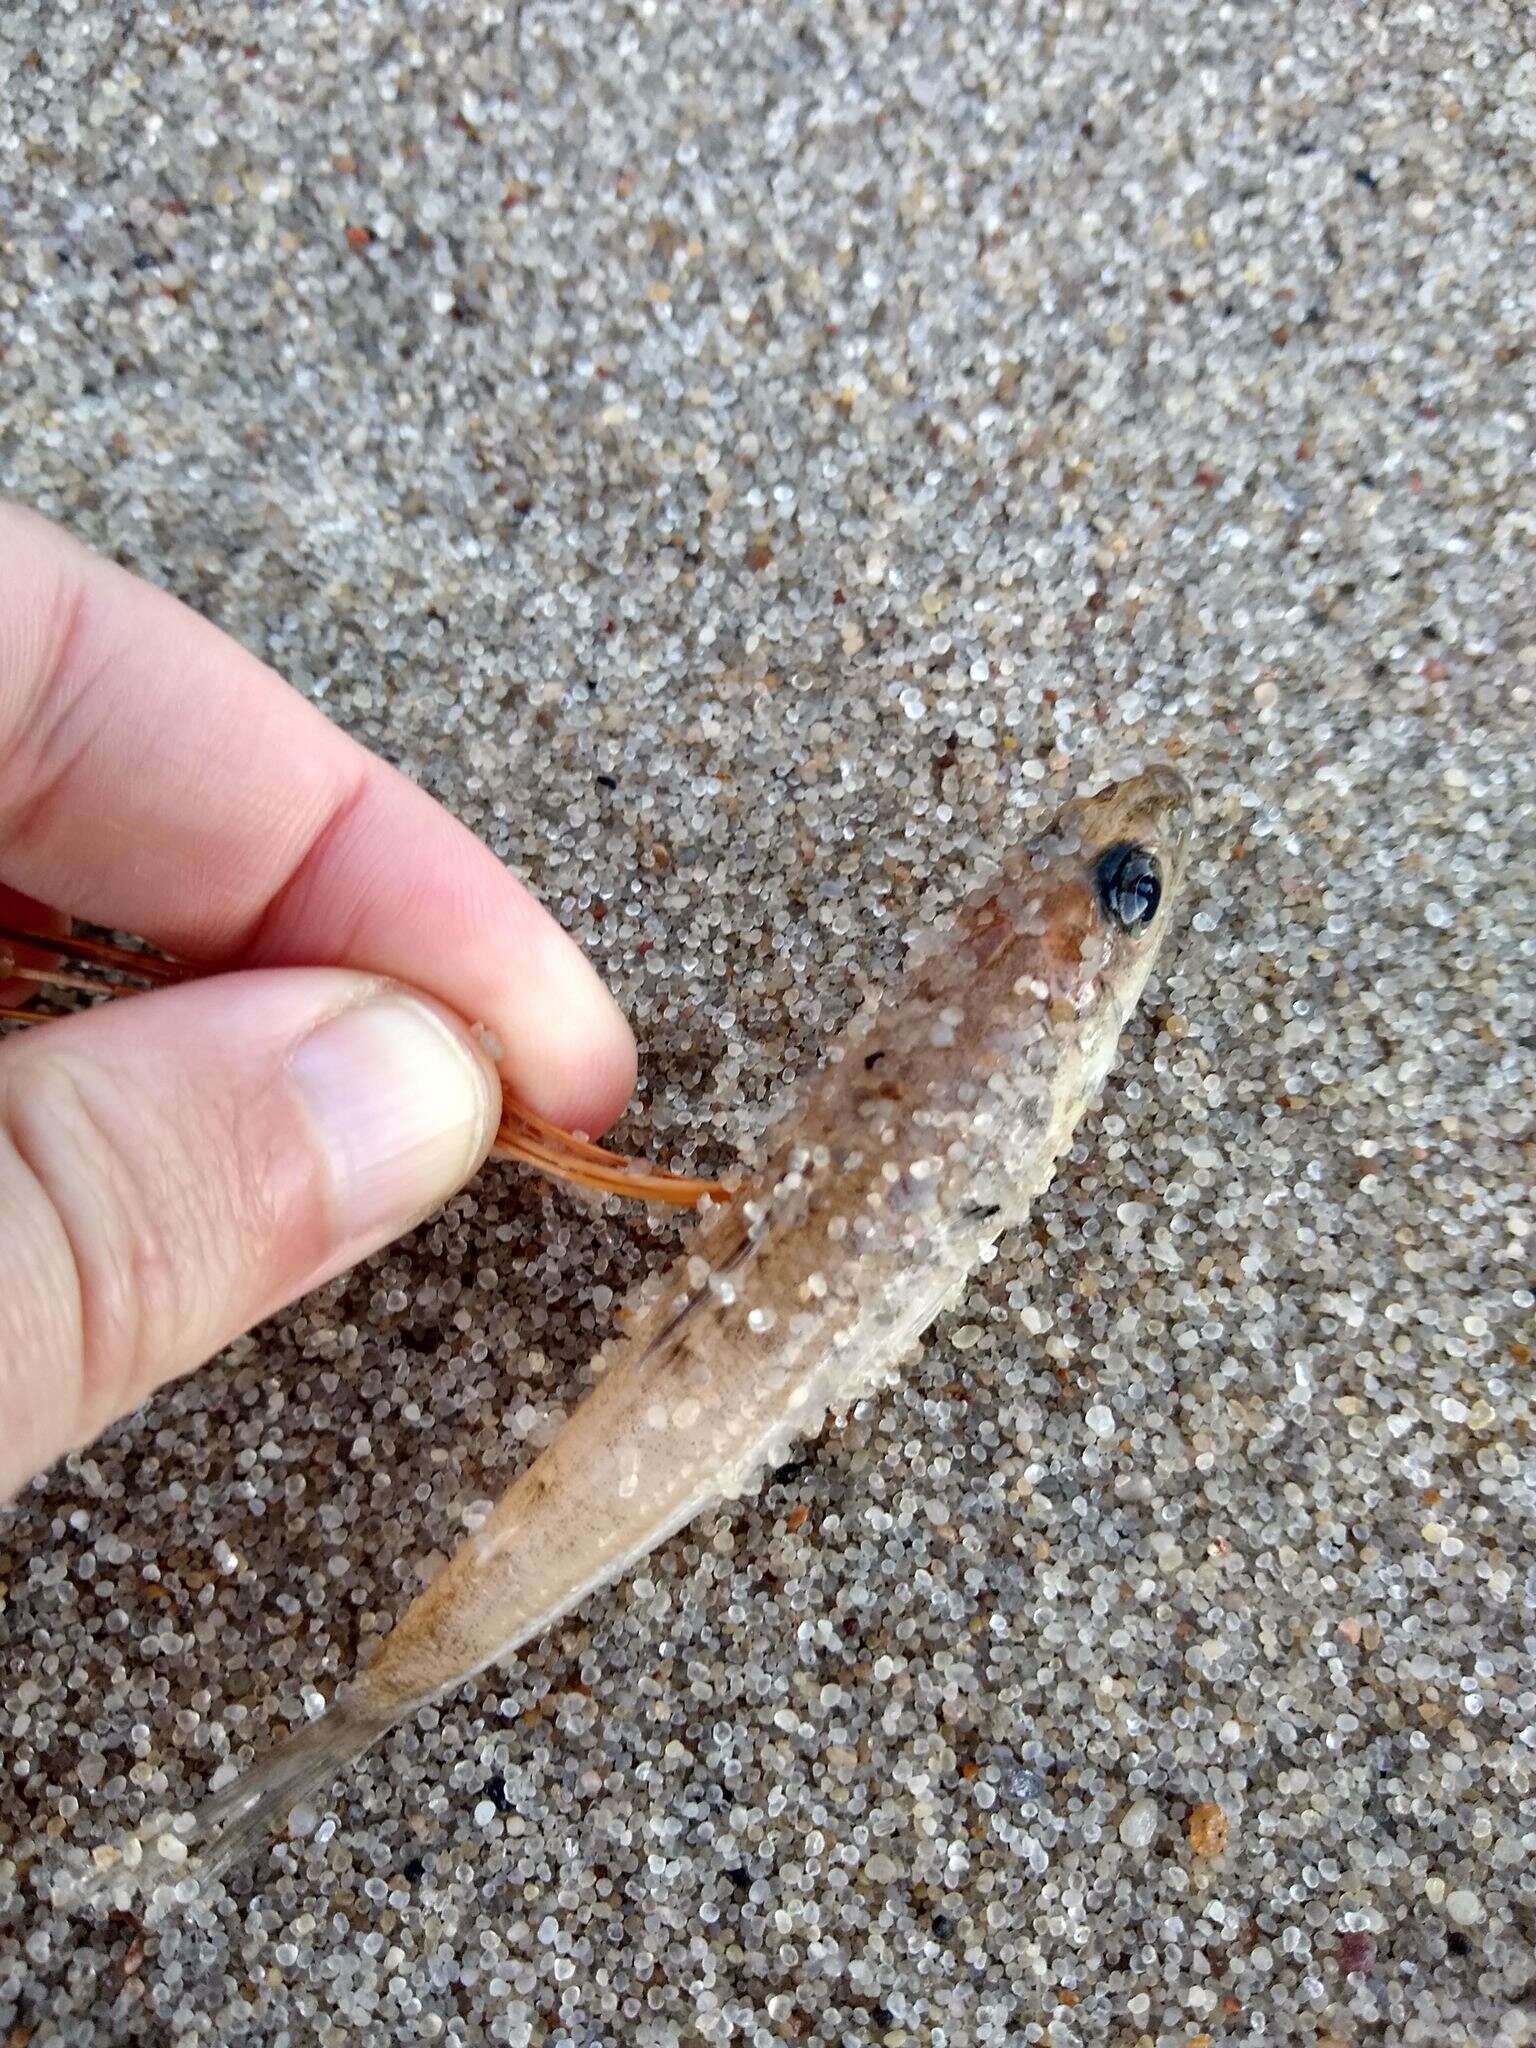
230	1826
97	967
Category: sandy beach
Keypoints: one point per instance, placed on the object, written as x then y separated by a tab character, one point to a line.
750	463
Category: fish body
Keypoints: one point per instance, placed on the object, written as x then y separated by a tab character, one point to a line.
936	1121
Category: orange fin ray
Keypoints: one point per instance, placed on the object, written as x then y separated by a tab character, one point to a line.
532	1139
83	952
524	1136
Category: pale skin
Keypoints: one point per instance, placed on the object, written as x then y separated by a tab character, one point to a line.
176	1167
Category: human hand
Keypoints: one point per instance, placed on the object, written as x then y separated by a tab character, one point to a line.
176	1166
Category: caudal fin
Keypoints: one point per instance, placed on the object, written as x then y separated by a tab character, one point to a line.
231	1824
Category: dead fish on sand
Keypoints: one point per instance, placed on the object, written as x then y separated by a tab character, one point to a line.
936	1121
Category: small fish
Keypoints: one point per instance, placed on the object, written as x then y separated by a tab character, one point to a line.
937	1120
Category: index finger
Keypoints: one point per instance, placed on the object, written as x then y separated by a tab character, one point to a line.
157	778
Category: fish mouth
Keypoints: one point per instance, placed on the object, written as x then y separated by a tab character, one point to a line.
1158	802
1154	809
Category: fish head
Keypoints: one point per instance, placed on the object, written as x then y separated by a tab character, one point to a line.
1075	920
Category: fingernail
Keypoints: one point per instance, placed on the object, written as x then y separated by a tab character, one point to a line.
404	1109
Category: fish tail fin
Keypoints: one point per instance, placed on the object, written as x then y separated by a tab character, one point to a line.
234	1822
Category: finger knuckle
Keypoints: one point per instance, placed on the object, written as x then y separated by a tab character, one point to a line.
128	1229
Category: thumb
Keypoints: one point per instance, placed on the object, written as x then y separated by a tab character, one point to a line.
175	1166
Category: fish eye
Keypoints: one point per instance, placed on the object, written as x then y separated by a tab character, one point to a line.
1130	885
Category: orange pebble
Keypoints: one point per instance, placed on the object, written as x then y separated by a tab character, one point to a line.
1208	1829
